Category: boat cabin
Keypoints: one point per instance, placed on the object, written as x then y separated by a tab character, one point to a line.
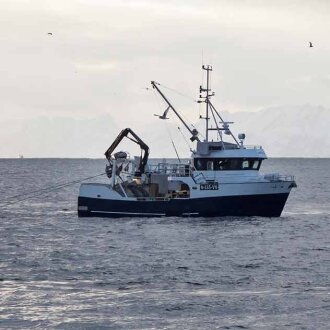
224	156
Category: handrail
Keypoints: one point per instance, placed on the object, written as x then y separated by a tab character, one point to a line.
275	177
171	169
249	147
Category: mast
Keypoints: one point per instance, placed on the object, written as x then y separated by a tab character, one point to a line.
205	95
210	109
206	98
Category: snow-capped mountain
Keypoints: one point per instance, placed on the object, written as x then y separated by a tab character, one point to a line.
284	131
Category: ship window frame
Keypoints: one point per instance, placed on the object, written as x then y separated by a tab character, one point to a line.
227	164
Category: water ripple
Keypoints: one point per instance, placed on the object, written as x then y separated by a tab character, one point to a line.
58	271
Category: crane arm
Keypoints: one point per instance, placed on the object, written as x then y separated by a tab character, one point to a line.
193	132
137	140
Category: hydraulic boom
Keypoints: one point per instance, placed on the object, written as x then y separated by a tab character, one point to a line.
137	140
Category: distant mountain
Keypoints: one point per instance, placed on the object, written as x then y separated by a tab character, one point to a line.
286	131
56	137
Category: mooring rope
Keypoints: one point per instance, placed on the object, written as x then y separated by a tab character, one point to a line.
39	192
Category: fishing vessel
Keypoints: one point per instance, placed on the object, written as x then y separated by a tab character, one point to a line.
222	178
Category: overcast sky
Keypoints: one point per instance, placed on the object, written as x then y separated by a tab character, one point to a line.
102	54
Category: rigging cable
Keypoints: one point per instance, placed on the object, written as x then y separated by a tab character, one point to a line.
167	129
39	192
170	135
190	98
175	91
178	123
176	152
191	150
175	118
184	95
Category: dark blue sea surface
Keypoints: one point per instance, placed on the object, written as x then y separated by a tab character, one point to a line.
64	272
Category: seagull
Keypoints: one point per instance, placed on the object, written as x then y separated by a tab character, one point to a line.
310	45
163	116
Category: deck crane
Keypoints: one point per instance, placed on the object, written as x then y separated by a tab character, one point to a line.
124	133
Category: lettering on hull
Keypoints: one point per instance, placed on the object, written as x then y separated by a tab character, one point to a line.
209	186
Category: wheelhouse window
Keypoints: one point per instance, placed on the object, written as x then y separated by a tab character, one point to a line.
256	164
209	165
199	164
245	164
227	164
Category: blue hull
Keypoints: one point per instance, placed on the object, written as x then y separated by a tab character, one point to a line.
270	205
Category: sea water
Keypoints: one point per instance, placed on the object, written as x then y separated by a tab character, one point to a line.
64	272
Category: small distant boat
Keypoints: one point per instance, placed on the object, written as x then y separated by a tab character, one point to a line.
20	156
221	179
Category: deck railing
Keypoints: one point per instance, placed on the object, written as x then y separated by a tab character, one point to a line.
278	177
252	147
171	169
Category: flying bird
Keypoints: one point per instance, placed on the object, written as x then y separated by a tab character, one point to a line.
310	45
49	33
163	116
